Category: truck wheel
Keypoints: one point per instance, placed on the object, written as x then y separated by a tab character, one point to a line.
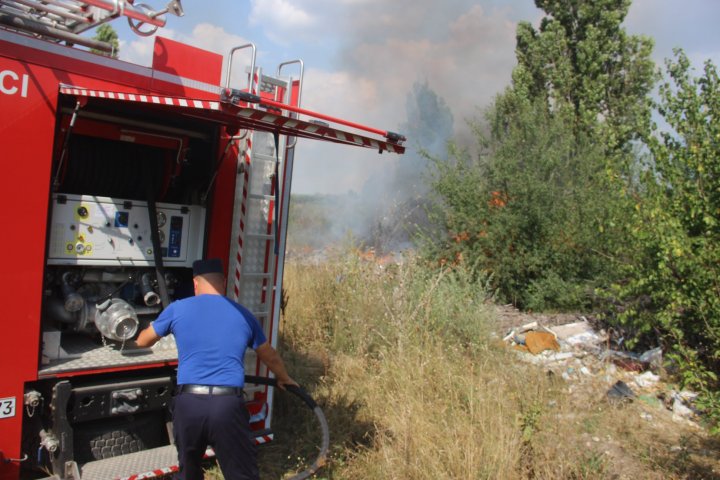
103	439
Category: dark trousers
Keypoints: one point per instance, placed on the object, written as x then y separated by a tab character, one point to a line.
220	421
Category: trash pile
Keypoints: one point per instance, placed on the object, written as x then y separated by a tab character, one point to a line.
580	354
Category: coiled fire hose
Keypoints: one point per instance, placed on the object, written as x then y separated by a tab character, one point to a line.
321	459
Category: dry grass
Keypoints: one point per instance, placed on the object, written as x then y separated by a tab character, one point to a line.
414	387
409	350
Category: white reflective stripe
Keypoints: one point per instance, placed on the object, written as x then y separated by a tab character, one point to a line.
197	104
187	82
183	102
155	99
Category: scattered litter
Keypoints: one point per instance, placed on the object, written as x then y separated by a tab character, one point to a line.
680	410
647	379
578	333
620	391
633	362
628	364
652	358
579	354
547	357
537	342
687	395
525	328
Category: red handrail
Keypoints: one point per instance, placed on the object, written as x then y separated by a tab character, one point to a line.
235	95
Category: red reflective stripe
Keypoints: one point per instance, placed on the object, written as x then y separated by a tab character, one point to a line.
152	474
291	108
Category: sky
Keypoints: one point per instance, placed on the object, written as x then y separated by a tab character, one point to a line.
362	58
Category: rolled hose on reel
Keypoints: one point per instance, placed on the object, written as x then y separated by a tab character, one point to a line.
321	459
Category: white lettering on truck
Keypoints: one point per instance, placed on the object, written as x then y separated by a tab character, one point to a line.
9	83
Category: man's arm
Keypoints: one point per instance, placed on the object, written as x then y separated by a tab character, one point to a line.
147	337
270	357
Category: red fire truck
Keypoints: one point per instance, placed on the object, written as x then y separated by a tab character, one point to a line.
116	177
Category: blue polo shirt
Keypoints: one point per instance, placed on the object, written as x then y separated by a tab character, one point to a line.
211	333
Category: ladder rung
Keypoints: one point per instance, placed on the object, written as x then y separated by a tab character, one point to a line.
257	196
255	275
266	236
262	156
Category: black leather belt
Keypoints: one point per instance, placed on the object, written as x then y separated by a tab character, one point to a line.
209	389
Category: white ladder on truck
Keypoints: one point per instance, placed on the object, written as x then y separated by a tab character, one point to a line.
65	20
253	252
252	269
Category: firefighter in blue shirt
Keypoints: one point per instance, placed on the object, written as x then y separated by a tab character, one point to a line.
212	334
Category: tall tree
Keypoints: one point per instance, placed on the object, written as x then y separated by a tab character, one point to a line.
106	33
582	59
542	209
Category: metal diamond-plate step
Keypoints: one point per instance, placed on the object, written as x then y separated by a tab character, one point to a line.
151	463
82	353
145	464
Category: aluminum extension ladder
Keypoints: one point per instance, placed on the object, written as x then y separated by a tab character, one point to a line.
65	20
252	277
252	269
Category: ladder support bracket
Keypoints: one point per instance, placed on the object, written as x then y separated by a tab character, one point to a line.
230	95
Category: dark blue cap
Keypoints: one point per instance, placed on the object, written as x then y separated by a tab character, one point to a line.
211	265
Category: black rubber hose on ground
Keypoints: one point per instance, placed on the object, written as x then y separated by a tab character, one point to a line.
321	459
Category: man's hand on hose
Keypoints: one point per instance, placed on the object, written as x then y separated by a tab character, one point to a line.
270	357
282	383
